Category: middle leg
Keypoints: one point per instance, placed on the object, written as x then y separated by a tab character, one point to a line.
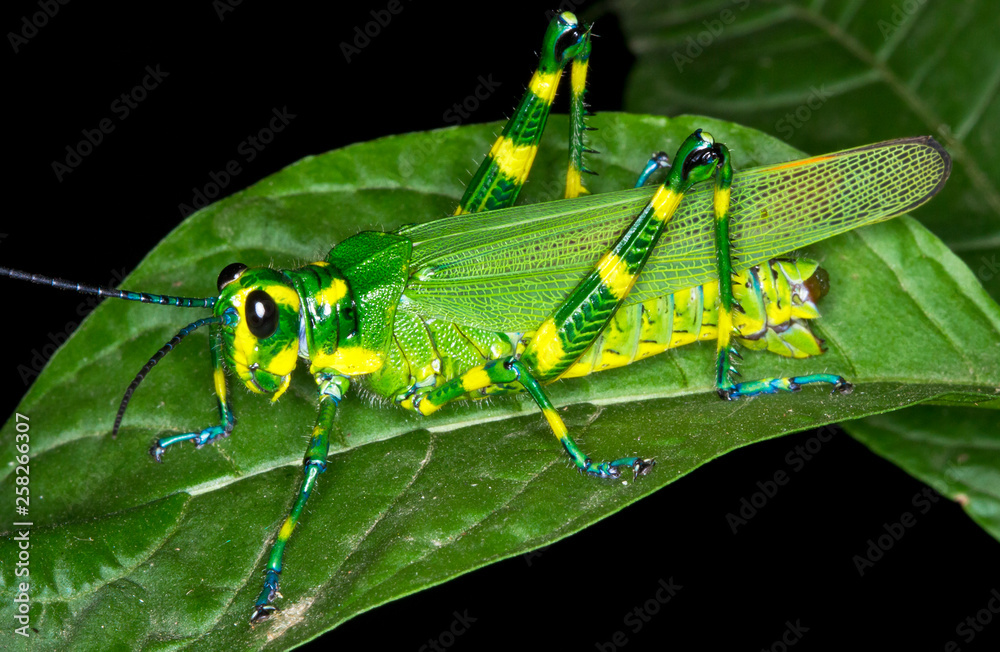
511	371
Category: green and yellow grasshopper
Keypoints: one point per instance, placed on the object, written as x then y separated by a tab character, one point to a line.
497	299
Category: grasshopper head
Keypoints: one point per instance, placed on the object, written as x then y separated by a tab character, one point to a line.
259	309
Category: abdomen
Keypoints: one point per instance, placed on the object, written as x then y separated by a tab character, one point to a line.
776	299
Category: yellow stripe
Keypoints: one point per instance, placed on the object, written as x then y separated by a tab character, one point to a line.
544	85
426	407
548	347
286	530
285	382
574	183
611	359
578	77
665	202
721	203
556	423
333	293
681	338
350	361
725	328
615	275
578	369
475	379
647	349
514	161
220	384
283	363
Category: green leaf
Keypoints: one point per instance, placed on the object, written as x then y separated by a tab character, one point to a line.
129	553
961	465
826	76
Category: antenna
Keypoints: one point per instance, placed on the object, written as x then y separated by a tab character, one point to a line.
142	297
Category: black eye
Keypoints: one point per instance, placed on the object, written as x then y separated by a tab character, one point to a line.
262	314
230	274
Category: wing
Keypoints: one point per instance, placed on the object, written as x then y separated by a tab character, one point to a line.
507	270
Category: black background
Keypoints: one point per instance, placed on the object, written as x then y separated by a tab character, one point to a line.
791	562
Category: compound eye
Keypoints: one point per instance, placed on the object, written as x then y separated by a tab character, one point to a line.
262	314
230	274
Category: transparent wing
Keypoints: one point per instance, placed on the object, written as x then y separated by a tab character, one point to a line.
507	270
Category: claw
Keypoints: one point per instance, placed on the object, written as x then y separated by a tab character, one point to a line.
262	613
642	467
263	609
727	394
157	451
843	387
613	470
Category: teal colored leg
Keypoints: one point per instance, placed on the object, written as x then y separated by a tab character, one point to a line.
792	384
331	389
657	161
583	463
226	417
